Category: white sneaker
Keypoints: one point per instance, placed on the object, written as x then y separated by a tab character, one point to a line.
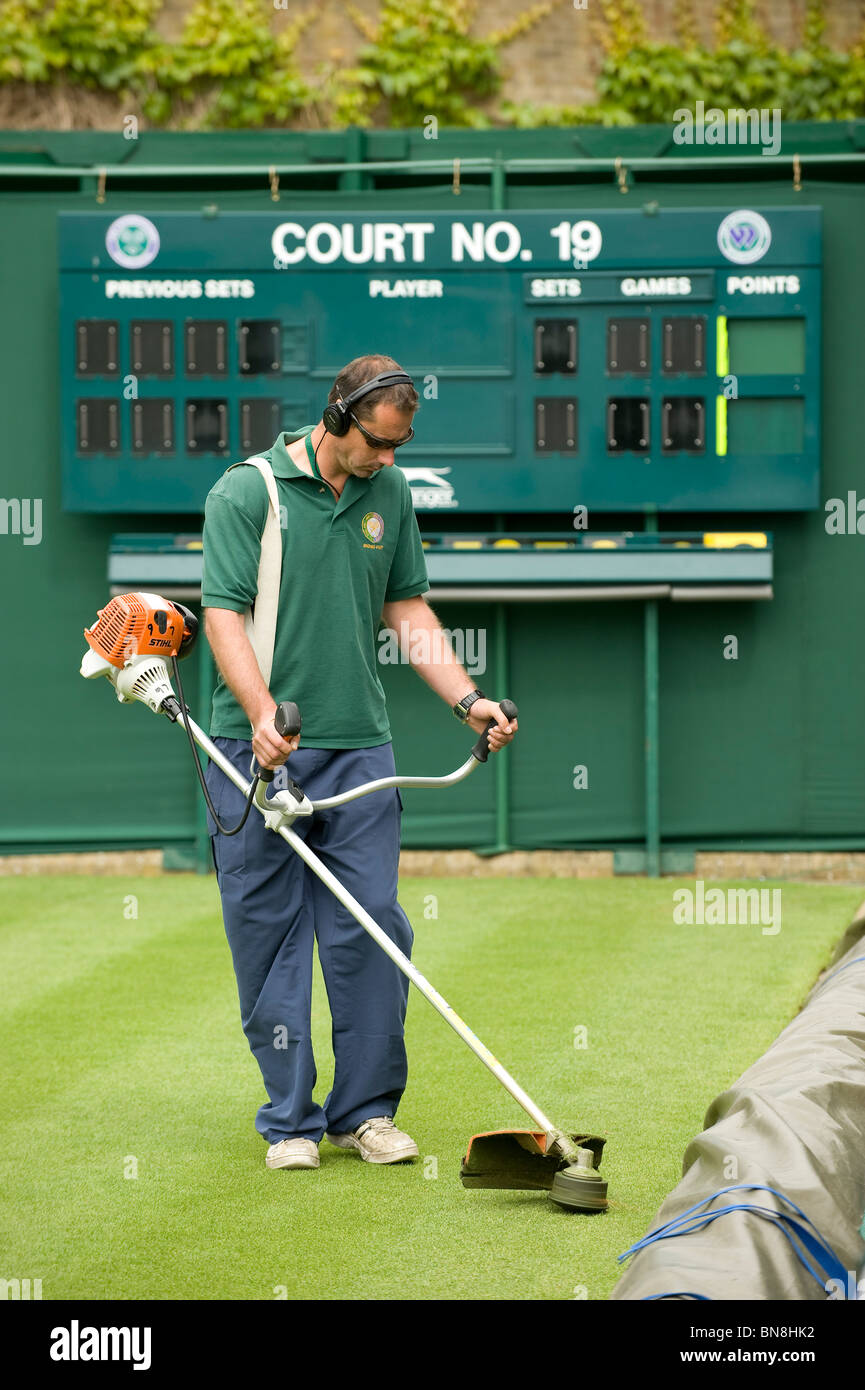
378	1141
293	1153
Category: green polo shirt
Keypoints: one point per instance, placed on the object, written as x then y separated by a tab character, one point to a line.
343	558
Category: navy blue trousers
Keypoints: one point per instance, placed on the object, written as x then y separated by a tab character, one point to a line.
273	906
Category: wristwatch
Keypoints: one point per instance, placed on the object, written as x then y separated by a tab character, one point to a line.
462	709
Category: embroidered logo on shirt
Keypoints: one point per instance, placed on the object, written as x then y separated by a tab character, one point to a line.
373	527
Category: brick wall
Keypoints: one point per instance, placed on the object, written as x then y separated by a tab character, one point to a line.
557	61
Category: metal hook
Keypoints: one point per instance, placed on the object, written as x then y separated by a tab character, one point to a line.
456	183
621	175
274	184
797	174
100	187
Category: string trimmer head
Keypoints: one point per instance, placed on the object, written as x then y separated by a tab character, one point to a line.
530	1160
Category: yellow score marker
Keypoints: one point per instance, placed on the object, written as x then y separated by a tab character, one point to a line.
722	350
721	425
725	540
722	368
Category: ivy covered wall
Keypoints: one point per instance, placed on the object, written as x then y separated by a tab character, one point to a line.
319	64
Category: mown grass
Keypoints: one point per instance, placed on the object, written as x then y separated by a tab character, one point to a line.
124	1054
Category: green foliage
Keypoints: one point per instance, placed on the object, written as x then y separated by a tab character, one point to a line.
232	67
96	44
22	52
229	66
737	19
625	25
647	82
654	81
427	63
227	70
685	23
419	63
529	116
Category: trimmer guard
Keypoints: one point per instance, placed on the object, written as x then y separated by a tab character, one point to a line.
517	1158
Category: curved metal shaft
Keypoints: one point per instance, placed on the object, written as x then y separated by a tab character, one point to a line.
555	1135
382	782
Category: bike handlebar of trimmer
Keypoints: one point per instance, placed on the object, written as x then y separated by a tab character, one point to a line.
287	722
481	750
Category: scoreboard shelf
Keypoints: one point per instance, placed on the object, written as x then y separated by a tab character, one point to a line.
618	360
540	565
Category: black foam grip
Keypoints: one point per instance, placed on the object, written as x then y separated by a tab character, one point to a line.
287	721
265	774
481	749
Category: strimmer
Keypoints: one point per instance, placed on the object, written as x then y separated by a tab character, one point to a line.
133	639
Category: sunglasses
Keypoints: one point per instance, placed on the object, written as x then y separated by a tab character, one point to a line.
381	443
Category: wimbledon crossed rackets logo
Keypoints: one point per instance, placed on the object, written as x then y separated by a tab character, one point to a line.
132	241
373	527
744	237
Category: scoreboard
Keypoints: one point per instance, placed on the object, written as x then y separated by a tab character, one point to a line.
617	360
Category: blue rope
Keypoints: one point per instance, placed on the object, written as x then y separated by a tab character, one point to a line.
857	960
694	1220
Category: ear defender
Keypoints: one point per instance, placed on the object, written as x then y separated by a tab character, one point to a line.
336	417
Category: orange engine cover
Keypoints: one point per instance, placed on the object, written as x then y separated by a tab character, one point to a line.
136	625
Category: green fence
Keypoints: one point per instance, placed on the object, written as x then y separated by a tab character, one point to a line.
682	746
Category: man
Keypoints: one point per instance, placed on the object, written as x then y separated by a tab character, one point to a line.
352	558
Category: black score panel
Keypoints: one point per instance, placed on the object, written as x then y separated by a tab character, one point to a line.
621	358
207	426
153	426
555	346
96	347
628	347
259	346
98	425
152	347
206	344
683	345
628	424
556	425
683	423
259	423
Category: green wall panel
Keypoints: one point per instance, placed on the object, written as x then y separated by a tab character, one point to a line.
767	748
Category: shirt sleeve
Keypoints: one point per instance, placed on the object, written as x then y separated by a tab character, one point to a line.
408	576
231	544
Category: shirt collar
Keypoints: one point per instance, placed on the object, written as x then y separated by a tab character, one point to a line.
284	467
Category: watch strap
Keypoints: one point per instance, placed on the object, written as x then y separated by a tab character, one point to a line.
463	706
